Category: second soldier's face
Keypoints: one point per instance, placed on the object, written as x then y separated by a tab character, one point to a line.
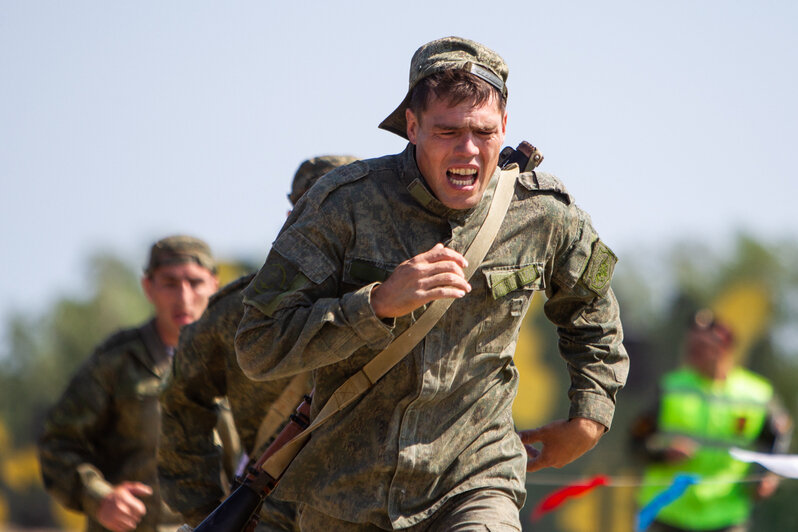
457	148
179	293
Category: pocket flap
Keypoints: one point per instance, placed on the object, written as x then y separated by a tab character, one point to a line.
506	279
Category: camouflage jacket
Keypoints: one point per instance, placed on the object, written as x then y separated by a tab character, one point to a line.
104	429
439	423
204	370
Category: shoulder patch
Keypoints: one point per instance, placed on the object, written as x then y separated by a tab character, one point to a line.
599	269
233	286
544	182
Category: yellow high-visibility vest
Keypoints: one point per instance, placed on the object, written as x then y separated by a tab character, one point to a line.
717	415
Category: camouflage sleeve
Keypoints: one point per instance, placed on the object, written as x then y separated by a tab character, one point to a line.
583	307
189	461
295	320
67	443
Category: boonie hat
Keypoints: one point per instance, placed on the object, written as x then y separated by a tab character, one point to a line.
449	53
311	170
180	249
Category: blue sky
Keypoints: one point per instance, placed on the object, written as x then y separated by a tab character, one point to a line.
124	122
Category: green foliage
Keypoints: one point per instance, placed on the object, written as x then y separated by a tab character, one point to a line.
43	351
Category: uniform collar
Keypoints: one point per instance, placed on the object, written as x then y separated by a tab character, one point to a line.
417	187
159	353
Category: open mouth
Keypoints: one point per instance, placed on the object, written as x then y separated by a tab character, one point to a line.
462	177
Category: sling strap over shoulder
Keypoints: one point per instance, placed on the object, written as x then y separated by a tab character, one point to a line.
386	359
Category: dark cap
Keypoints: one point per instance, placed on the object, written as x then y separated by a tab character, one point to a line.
705	321
312	169
449	53
180	249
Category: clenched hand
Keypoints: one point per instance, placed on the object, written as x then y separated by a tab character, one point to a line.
434	274
121	510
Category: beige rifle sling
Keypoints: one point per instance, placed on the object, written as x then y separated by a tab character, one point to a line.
278	412
386	359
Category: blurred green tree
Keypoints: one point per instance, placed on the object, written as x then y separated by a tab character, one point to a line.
40	356
43	351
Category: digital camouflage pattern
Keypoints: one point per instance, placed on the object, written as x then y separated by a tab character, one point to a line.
310	171
104	428
449	53
204	370
440	422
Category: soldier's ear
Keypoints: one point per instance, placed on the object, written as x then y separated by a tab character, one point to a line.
412	125
146	285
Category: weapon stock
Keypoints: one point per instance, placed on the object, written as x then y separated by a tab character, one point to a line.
239	511
526	155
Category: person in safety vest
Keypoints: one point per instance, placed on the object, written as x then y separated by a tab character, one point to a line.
706	407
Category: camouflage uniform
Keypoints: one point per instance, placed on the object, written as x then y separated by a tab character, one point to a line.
205	368
104	430
439	423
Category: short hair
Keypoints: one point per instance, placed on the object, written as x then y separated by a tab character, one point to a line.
454	86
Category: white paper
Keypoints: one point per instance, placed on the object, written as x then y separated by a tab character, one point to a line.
785	465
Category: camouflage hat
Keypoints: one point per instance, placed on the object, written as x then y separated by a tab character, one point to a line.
311	170
180	249
449	53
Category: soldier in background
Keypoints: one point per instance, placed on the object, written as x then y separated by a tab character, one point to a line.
704	408
205	369
99	442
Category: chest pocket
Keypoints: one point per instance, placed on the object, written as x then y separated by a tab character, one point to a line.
506	279
511	289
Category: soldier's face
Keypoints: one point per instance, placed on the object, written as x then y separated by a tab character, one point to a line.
179	293
457	148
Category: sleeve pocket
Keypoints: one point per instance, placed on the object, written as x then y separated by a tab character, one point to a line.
301	251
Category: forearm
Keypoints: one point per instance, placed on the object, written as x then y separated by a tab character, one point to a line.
591	343
69	445
303	337
70	479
